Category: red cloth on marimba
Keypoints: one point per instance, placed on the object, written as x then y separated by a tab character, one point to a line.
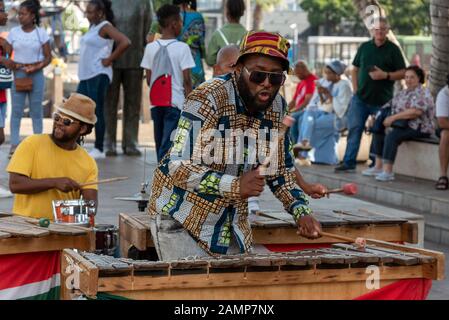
407	289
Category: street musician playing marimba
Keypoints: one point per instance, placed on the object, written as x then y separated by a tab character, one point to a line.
198	201
51	167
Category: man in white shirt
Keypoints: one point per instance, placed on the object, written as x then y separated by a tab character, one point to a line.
442	113
177	68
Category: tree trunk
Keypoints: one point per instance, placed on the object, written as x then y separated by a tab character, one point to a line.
257	17
439	63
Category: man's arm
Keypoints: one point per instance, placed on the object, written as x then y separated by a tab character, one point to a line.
21	184
355	78
443	123
187	83
148	76
295	202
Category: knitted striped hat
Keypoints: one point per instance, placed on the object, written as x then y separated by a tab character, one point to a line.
267	43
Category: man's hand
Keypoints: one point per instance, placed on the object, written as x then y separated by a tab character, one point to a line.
388	121
106	62
65	184
309	227
378	74
316	191
251	184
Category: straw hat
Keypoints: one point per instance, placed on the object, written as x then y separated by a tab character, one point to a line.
79	107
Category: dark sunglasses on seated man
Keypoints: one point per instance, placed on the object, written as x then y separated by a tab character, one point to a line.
65	121
258	77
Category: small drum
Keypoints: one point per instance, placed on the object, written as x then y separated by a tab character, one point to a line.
74	212
106	239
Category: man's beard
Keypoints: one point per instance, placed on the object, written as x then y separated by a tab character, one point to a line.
65	137
250	100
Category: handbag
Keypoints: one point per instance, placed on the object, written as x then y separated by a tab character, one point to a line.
400	124
26	84
378	126
23	84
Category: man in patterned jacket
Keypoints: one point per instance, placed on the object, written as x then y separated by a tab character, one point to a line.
227	128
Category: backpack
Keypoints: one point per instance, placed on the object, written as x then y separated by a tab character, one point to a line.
6	76
161	78
220	32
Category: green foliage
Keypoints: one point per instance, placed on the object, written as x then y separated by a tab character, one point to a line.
407	17
267	4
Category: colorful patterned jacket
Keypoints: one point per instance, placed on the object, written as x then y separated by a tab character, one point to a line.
198	184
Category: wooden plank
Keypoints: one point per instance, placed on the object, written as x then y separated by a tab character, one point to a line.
51	242
133	231
409	232
288	235
375	218
88	275
310	291
4	235
362	256
439	267
53	228
397	257
22	229
261	279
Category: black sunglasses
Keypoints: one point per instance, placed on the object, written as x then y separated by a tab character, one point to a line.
65	121
258	77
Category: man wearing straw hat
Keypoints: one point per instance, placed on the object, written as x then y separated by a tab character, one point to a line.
47	167
227	127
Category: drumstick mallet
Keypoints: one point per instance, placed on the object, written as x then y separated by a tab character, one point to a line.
348	189
103	181
359	242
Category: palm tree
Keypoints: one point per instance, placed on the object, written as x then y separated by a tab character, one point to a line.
439	64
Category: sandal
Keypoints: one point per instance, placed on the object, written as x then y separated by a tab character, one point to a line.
442	183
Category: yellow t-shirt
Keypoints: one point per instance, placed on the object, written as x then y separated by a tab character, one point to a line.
38	157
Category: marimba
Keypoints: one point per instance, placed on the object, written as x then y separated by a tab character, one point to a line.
279	228
340	272
25	246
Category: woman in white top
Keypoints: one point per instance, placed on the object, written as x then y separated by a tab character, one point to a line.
31	55
95	64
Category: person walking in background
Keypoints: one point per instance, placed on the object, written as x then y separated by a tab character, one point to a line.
303	95
411	116
193	33
167	63
377	64
127	73
231	33
95	64
31	55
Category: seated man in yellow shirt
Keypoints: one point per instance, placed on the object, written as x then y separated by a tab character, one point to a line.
52	167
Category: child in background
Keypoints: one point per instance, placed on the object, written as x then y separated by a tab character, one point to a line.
176	65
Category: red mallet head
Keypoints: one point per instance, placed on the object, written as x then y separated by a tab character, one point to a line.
350	189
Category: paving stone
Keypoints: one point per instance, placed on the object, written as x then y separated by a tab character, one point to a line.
412	201
432	234
389	196
440	206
